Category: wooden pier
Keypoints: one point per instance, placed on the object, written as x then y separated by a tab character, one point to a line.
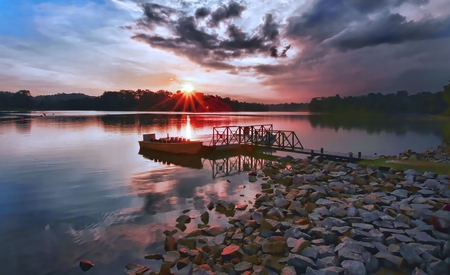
248	138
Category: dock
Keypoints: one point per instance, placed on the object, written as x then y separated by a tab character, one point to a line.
252	137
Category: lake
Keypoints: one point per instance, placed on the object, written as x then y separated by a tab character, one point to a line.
73	185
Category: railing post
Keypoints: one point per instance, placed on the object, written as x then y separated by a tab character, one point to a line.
239	134
293	144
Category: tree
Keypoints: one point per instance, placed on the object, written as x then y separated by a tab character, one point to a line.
22	99
447	98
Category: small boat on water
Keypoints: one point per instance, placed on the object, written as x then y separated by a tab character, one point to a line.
174	145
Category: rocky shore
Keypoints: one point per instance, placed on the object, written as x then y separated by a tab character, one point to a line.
315	216
440	154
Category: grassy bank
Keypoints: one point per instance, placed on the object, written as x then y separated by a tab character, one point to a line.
418	165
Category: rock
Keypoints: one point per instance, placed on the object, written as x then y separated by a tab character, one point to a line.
205	217
171	257
402	238
300	262
423	237
438	268
389	260
340	229
393	248
156	256
363	226
418	271
241	207
325	251
187	270
410	255
189	242
183	219
330	221
300	244
371	199
182	263
170	244
431	183
400	193
369	217
289	270
441	220
353	267
370	262
446	250
349	251
243	266
231	251
281	202
310	206
85	265
352	212
336	211
210	206
275	245
310	252
327	261
214	230
136	268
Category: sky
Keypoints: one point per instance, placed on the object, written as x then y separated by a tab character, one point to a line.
253	50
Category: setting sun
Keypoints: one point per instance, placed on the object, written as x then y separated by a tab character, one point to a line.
187	88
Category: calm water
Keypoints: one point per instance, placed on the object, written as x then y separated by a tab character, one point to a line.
73	186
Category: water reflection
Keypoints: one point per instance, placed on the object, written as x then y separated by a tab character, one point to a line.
188	128
23	126
191	161
399	126
197	125
231	165
169	187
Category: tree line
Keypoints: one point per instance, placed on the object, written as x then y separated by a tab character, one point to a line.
393	103
139	100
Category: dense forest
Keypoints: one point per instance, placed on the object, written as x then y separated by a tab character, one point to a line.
145	100
394	103
140	100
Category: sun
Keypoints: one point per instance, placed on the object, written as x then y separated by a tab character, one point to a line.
187	88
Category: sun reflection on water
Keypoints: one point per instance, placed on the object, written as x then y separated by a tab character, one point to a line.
188	128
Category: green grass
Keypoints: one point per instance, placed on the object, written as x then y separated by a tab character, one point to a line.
418	165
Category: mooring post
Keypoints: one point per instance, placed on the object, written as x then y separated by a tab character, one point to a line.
312	153
359	155
321	151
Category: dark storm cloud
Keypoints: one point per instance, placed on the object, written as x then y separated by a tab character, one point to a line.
204	46
365	6
325	19
225	12
188	33
157	14
392	29
270	27
274	51
202	13
329	18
